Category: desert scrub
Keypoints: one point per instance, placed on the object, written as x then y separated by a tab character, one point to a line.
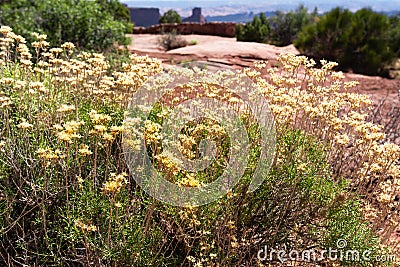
67	197
63	182
364	43
90	25
298	206
318	102
172	40
170	16
302	203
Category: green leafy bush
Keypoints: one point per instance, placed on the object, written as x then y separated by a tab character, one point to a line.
118	10
285	26
358	41
280	29
254	31
87	24
394	34
171	16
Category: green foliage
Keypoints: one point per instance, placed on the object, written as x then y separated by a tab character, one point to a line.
333	31
119	11
88	24
171	16
394	35
359	41
117	58
279	30
254	31
285	26
344	222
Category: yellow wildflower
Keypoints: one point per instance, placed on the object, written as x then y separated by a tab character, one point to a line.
108	137
115	182
24	125
66	108
84	151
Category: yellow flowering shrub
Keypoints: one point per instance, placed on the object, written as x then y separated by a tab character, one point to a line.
61	125
64	175
319	102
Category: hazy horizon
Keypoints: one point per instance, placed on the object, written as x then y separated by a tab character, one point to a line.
213	7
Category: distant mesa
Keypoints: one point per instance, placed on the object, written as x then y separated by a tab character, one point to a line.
146	17
196	16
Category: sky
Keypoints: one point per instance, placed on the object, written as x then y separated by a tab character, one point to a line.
214	7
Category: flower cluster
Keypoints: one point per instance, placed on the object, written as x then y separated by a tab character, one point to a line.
319	102
114	183
85	227
68	131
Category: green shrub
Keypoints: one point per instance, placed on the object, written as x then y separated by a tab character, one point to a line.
280	29
171	16
118	11
87	24
254	31
326	38
358	41
285	26
394	35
